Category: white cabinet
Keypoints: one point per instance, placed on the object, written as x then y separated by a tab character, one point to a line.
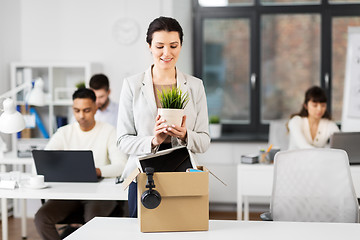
222	159
60	80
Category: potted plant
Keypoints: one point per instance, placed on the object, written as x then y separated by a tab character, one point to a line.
173	102
214	126
80	85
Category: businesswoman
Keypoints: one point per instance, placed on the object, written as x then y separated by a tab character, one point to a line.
312	126
140	130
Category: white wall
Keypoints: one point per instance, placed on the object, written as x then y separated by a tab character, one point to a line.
9	44
9	40
82	30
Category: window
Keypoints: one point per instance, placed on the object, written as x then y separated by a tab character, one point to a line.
290	2
218	3
290	62
257	57
226	71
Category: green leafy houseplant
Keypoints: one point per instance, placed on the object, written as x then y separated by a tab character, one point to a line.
214	119
173	98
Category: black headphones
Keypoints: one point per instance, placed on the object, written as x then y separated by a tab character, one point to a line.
150	198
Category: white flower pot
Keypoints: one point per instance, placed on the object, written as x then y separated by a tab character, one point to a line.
171	116
215	130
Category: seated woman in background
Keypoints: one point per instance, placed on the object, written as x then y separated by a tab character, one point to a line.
312	126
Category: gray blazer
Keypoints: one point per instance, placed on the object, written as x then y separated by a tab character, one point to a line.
137	113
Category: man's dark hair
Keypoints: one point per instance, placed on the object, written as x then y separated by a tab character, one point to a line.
84	93
99	81
164	24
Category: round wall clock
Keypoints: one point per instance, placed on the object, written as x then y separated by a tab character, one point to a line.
126	31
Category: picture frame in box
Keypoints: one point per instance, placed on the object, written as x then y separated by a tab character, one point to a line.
177	159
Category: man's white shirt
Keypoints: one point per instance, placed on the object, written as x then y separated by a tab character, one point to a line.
109	114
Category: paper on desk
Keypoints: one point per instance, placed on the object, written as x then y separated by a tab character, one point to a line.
8	184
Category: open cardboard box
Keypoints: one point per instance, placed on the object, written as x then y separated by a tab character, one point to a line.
184	195
184	201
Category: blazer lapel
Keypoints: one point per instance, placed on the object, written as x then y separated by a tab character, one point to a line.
148	91
181	81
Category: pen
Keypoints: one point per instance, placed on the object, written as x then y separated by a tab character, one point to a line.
268	150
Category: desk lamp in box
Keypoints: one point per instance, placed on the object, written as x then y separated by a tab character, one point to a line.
11	121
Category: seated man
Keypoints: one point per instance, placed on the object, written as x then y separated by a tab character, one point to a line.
107	109
85	134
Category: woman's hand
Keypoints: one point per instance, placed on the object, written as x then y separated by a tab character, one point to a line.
178	131
160	131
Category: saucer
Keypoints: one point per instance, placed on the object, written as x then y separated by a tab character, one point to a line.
36	187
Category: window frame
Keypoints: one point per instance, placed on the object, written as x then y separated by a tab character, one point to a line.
255	130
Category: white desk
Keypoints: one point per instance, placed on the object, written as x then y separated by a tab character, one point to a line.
257	180
12	159
126	228
104	190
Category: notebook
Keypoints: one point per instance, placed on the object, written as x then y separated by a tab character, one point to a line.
65	165
348	141
170	160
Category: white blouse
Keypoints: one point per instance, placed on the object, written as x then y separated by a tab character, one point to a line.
300	135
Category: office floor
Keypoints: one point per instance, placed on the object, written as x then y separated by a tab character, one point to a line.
15	224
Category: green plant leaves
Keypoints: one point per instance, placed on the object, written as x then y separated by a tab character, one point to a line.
173	98
214	119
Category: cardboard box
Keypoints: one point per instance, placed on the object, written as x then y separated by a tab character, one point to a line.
184	202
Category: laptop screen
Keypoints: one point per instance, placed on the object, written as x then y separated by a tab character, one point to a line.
65	165
348	141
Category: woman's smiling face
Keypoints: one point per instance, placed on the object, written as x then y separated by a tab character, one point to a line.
165	48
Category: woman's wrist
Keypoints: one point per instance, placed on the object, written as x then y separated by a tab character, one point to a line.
154	143
154	147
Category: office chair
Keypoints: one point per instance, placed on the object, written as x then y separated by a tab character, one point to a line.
278	134
313	185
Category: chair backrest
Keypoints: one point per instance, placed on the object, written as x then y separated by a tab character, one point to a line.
313	185
278	134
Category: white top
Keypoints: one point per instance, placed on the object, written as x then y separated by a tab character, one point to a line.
127	228
300	135
101	140
109	114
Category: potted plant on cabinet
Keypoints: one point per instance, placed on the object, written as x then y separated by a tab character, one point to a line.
214	126
173	102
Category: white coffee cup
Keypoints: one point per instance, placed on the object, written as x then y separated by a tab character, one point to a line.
36	181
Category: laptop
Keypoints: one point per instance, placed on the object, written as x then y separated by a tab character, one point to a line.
65	165
348	141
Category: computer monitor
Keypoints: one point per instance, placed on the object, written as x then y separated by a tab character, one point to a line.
348	141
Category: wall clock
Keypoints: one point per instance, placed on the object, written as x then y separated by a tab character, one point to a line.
126	31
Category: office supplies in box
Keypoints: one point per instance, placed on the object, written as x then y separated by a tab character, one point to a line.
184	202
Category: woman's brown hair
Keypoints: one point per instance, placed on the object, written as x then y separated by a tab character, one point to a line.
315	94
